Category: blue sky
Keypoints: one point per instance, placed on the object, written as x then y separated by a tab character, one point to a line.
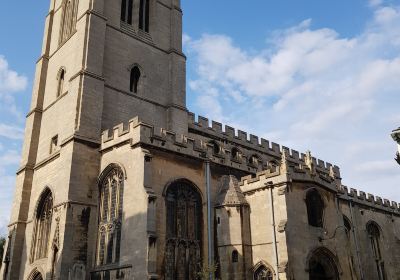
309	74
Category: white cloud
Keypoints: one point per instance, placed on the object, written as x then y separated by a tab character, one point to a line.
375	3
11	132
10	81
312	89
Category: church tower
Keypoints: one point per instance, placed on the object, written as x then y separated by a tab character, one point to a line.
102	63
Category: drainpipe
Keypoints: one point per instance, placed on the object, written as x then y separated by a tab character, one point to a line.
356	240
274	232
210	247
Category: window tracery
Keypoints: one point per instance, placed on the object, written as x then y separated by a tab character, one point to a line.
183	244
126	11
375	239
43	221
110	217
263	273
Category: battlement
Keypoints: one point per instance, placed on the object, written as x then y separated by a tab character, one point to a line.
245	139
369	199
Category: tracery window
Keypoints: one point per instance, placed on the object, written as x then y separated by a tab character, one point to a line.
322	266
315	208
110	217
41	235
68	21
135	78
144	15
183	242
263	273
126	11
375	239
347	226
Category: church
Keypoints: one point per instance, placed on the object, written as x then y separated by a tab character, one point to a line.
118	180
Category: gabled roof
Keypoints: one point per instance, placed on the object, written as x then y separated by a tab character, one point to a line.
230	193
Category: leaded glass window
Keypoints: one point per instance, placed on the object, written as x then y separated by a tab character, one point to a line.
263	273
110	217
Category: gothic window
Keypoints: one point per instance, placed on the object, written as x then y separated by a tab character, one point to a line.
235	256
126	11
315	208
263	273
235	153
216	148
110	217
144	15
322	266
54	144
43	219
254	160
135	78
347	226
61	78
68	21
375	239
183	242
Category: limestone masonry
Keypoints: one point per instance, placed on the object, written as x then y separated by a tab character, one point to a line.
118	180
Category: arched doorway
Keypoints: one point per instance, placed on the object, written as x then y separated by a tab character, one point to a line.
322	266
184	231
263	273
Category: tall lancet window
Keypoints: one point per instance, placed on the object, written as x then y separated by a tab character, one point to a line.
68	20
42	229
183	240
135	78
374	234
144	15
110	217
61	79
126	11
315	208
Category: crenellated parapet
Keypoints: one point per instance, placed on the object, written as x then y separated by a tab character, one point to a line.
235	137
368	200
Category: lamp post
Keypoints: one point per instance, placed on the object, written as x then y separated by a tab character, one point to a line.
396	137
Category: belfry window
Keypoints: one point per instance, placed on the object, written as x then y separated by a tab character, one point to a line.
135	78
144	15
68	20
315	208
42	229
110	217
375	239
61	79
126	11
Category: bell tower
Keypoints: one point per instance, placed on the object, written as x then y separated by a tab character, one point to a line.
102	63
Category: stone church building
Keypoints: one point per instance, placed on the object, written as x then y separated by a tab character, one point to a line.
119	181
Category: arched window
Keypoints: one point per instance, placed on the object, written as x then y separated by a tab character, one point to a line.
347	226
315	208
322	266
215	147
375	239
184	231
144	15
263	273
35	275
135	78
235	153
254	160
126	11
43	220
110	217
68	21
235	256
61	78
